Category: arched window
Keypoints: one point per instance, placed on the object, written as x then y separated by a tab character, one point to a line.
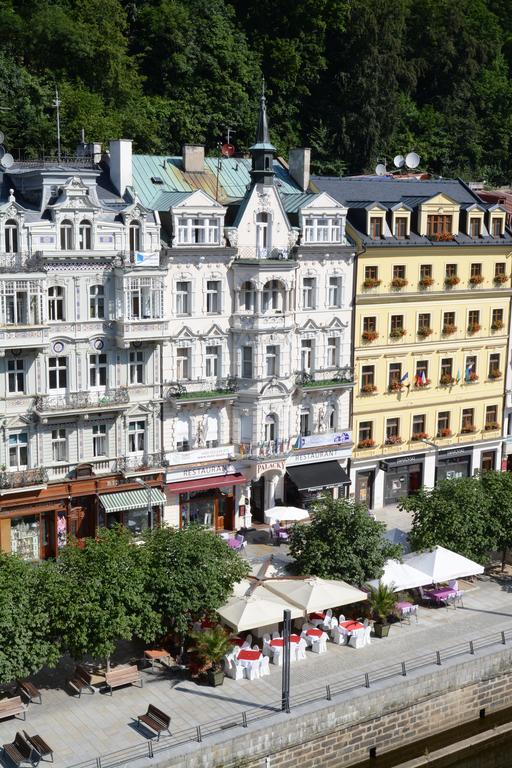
96	302
247	297
85	236
182	434
273	296
56	303
263	234
134	236
332	418
11	236
270	428
66	235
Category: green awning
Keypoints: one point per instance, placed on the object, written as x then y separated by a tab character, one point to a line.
125	500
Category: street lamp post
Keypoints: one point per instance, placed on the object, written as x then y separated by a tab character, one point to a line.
285	687
140	481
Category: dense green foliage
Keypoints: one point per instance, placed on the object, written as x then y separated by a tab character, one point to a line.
357	80
342	542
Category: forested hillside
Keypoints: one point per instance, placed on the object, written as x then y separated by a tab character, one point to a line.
353	79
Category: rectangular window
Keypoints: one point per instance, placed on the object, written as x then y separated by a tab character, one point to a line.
491	415
394	374
96	302
370	324
488	461
400	227
470	371
136	436
59	445
212	361
439	225
333	351
497	227
423	321
494	365
308	293
397	322
304	423
399	271
144	298
425	271
272	360
392	429
136	363
473	317
421	374
500	269
475	226
446	367
322	230
57	372
334	297
18	451
467	423
306	355
198	231
443	423
367	376
183	298
371	273
99	439
451	270
497	319
418	424
97	370
476	270
375	227
246	362
182	363
56	302
16	375
365	431
448	319
212	297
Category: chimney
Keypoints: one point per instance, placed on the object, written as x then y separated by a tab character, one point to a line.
193	158
121	164
299	161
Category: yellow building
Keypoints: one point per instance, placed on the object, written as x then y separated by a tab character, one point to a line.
430	332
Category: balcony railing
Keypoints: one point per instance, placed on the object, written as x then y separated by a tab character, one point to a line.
79	400
202	389
23	478
325	379
139	463
20	261
267	254
265	449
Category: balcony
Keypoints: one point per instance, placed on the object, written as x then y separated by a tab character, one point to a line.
275	321
148	329
330	379
144	463
24	336
266	254
112	399
265	450
20	262
222	453
202	390
23	479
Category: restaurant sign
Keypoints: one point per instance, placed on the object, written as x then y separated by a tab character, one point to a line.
309	458
330	438
194	473
269	466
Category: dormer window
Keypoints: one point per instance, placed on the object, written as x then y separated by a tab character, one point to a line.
66	236
322	230
475	226
439	224
375	227
198	231
497	226
401	227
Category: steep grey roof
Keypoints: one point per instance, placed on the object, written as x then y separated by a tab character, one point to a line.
352	189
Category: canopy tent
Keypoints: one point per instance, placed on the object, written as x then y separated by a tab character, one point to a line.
401	576
313	593
286	514
259	608
442	564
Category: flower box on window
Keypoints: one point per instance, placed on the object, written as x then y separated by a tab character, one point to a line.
489	425
500	279
476	279
399	282
393	440
371	282
421	384
419	436
467	429
445	432
370	335
497	325
367	443
472	377
474	327
449	329
395	386
368	389
494	373
441	237
426	282
446	380
397	333
452	280
425	331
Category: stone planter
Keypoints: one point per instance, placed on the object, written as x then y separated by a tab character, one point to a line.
215	677
381	630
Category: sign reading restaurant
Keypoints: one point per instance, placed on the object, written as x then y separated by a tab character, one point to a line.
196	472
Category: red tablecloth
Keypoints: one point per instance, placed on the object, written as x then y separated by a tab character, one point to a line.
247	655
317	615
314	632
351	625
236	641
278	642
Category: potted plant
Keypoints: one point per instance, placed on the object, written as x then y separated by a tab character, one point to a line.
393	440
424	331
371	282
366	443
476	279
494	373
442	237
491	425
468	428
368	389
382	601
446	380
452	280
395	386
472	377
370	335
444	432
449	329
497	325
399	282
500	279
426	282
419	436
397	333
474	327
210	647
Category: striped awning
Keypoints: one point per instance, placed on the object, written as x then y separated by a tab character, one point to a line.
125	500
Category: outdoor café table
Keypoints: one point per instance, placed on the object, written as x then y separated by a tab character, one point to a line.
278	642
316	618
236	641
248	658
313	635
406	609
441	595
157	655
349	628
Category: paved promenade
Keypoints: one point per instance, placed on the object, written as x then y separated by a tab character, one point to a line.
81	729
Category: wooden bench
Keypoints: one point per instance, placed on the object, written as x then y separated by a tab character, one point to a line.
30	691
156	720
12	707
122	676
19	751
80	680
40	746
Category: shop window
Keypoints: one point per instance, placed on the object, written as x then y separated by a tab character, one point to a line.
212	297
443	424
59	445
212	360
96	302
246	362
306	355
99	440
308	293
333	357
136	367
97	370
11	236
335	291
25	537
198	508
57	373
272	360
247	297
18	450
439	224
134	236
182	434
66	236
16	375
136	436
183	293
85	235
183	363
270	428
56	303
375	227
400	227
488	461
137	520
305	422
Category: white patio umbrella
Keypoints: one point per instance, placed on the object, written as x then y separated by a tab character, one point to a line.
313	593
442	564
286	514
401	576
259	609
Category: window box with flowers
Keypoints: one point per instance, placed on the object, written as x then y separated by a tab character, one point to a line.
441	237
472	378
421	384
474	327
368	389
393	440
419	436
445	432
425	331
449	329
399	282
446	380
397	333
370	335
395	386
476	279
494	373
468	429
491	425
451	280
500	279
371	282
497	325
367	443
426	282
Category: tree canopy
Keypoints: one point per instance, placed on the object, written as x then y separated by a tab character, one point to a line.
342	542
358	80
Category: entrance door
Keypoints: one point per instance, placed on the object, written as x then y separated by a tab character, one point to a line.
414	479
258	499
47	535
364	487
79	524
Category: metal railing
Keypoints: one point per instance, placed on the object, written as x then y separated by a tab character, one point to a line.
20	261
201	388
392	671
74	400
23	477
155	460
265	254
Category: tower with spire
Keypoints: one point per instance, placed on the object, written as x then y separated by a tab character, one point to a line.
262	151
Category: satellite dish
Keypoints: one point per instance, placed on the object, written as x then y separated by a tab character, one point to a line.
380	170
7	160
227	150
412	160
399	161
2	137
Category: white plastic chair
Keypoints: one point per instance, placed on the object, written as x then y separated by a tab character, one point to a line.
339	637
234	670
277	657
301	649
319	644
367	636
255	647
357	640
252	671
264	666
235	650
341	618
275	635
334	623
266	638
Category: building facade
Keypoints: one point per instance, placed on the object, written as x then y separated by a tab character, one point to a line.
431	332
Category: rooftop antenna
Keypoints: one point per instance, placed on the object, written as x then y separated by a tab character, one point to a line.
399	161
412	160
56	104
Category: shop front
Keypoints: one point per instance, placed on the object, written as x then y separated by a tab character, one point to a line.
403	476
453	463
138	509
206	495
320	467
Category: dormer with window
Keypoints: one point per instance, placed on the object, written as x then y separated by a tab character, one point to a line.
376	225
197	221
475	225
401	221
438	218
496	221
322	221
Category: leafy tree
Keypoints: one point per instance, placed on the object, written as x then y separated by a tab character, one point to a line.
455	514
102	595
497	487
341	542
27	639
189	573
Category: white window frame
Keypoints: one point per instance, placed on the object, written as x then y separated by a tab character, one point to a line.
136	365
56	303
59	439
198	230
334	291
98	370
272	297
183	363
213	297
144	299
322	229
183	295
66	235
136	436
60	370
308	292
306	355
333	352
85	235
270	428
272	360
247	300
212	361
247	363
97	302
18	450
99	440
16	375
11	236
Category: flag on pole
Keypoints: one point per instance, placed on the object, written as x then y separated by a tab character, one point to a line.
458	375
404	377
468	371
423	378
